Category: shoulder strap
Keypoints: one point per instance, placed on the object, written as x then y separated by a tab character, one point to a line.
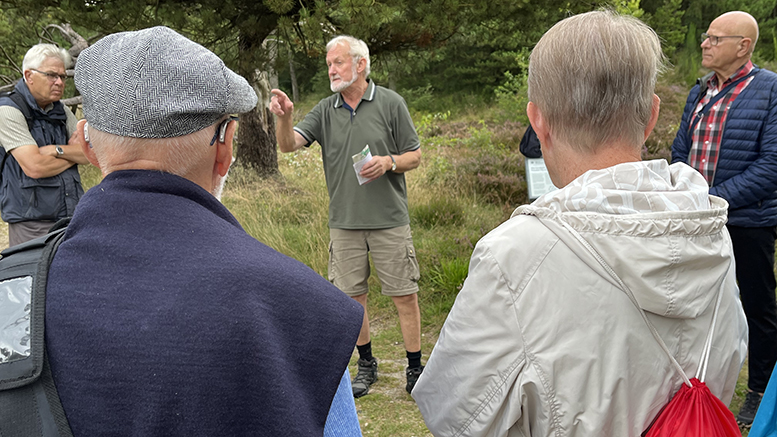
708	341
29	402
698	116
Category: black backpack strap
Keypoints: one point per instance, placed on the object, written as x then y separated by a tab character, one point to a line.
29	402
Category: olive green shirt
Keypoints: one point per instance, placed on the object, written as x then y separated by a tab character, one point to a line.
380	120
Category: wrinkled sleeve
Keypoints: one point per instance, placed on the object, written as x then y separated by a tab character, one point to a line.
681	146
758	181
471	384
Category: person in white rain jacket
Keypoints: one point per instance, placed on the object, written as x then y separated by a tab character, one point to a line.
542	340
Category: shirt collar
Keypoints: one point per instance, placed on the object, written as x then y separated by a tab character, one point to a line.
712	82
369	94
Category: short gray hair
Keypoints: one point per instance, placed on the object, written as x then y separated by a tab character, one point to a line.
40	52
179	154
593	77
357	49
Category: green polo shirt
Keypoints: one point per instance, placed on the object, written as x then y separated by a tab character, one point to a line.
380	120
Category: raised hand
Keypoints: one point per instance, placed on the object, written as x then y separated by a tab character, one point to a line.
280	104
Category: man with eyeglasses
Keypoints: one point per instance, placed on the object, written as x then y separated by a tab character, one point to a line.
729	134
40	180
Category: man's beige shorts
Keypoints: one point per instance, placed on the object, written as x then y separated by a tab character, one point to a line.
393	255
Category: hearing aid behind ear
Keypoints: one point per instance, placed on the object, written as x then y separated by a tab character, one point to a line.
223	130
86	134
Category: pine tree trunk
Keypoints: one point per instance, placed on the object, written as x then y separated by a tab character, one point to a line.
293	74
256	134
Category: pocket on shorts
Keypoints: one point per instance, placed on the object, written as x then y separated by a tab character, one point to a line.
413	271
331	273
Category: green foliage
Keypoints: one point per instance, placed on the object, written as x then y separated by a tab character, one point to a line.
629	7
21	28
475	59
438	213
667	21
512	96
688	59
430	125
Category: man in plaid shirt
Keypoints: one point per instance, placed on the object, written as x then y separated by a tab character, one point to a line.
729	133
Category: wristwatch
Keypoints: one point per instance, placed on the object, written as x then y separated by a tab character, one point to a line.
60	152
393	163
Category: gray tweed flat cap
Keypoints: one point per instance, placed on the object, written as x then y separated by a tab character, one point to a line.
155	83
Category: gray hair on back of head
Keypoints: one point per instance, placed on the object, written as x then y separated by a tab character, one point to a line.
593	77
40	52
177	155
357	49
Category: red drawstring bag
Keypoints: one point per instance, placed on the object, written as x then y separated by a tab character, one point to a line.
694	411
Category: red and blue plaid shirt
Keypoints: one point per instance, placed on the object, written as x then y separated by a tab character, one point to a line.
708	131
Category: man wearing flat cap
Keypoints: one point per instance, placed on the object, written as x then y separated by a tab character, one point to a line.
40	180
164	318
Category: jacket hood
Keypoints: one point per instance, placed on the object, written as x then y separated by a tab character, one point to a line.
654	224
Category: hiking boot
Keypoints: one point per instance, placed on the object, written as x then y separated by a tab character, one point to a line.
747	412
412	377
365	377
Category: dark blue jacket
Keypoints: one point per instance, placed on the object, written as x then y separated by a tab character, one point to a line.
164	318
23	198
746	174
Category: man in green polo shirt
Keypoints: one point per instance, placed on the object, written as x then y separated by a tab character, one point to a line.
368	142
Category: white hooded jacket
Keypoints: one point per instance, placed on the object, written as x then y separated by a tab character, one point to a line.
542	342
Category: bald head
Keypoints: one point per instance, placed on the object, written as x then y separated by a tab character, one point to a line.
730	43
738	23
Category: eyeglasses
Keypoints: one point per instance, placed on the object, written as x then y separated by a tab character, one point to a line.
221	130
714	40
52	76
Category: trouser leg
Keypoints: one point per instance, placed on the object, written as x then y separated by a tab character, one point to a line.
754	255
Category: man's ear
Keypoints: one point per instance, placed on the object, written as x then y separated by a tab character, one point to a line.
86	146
361	66
653	116
744	47
224	150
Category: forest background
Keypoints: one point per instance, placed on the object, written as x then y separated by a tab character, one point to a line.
460	65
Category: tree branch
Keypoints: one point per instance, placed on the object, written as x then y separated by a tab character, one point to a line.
78	43
72	101
13	65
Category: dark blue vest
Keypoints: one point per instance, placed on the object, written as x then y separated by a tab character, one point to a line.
23	198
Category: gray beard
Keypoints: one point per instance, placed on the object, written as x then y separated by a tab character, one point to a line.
342	85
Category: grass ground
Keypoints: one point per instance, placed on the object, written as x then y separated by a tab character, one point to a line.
470	180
